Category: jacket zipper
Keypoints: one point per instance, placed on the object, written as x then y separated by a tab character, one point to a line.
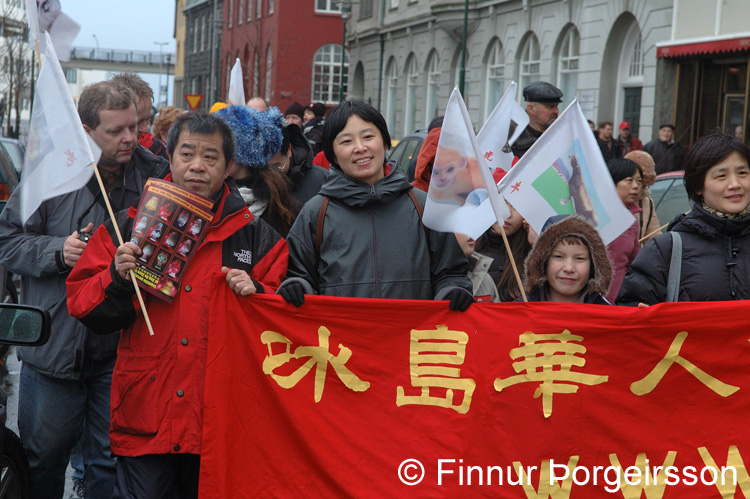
374	244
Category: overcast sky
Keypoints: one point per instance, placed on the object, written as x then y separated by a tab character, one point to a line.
125	24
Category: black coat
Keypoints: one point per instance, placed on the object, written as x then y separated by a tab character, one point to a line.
715	262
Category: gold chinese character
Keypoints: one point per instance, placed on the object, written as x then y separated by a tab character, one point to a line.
542	352
428	349
320	357
647	384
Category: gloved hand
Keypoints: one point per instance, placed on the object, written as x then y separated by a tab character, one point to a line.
460	300
293	293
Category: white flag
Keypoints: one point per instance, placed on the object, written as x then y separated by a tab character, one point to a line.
61	28
236	95
564	173
59	155
493	139
462	196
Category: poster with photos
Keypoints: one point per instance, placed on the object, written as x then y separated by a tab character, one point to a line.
170	224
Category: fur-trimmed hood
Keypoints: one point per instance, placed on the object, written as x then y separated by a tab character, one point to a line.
535	274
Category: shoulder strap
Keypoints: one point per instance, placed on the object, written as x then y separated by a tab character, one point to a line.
420	211
319	228
675	268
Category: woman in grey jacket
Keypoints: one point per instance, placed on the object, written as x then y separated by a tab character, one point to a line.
362	235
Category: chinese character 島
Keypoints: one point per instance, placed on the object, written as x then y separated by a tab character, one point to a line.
541	353
428	351
319	357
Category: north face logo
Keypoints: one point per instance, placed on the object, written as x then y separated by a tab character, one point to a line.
244	256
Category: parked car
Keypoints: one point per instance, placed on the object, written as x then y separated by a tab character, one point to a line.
8	177
406	151
670	197
15	151
21	325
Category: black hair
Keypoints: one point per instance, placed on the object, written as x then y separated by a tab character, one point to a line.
704	155
621	169
203	124
338	117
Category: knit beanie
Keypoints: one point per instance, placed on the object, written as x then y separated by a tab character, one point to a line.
318	108
295	108
258	134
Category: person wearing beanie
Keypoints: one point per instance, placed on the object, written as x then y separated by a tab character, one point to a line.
648	221
313	129
264	189
295	114
568	263
295	161
666	152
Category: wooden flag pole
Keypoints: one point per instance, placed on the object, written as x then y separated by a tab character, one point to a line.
658	230
512	260
119	239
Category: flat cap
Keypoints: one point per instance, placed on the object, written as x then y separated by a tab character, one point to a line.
667	125
541	91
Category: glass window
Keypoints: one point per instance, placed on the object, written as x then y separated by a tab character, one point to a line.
241	13
433	87
412	84
269	65
495	70
270	7
327	6
326	73
530	61
71	75
636	59
568	66
231	12
365	9
391	95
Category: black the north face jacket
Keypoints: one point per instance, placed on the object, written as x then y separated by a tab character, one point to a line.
374	244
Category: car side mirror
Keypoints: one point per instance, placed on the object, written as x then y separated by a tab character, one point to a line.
23	325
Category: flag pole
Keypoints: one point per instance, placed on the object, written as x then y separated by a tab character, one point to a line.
119	240
512	260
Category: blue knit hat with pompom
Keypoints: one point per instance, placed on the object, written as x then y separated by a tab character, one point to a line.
258	134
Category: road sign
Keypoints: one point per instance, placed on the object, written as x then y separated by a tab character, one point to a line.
193	100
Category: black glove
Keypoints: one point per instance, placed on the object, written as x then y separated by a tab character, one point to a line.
460	300
293	293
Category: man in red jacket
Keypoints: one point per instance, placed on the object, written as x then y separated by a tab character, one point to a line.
158	381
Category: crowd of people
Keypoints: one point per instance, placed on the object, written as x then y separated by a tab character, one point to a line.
125	408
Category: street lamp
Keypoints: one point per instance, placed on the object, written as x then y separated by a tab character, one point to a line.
161	44
346	13
96	40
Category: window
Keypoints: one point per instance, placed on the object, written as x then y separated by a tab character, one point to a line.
259	9
365	9
568	66
71	75
327	73
241	13
249	9
495	74
327	6
636	59
391	92
394	4
530	61
196	33
204	37
270	7
256	72
433	87
231	12
269	65
412	83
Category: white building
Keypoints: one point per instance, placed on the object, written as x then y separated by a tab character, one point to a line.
405	56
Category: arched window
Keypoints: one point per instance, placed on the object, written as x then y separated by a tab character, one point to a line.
433	87
495	74
412	84
531	61
568	65
327	73
391	93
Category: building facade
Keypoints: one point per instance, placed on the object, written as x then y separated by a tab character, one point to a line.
178	84
290	50
405	56
201	52
703	69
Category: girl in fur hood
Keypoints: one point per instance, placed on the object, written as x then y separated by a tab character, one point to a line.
568	263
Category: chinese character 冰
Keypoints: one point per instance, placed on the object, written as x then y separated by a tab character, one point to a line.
319	357
541	353
429	350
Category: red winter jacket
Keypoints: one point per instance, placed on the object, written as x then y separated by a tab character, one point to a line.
158	381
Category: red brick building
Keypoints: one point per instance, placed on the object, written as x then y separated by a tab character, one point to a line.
290	50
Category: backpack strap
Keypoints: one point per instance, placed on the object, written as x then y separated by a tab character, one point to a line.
319	228
675	268
420	211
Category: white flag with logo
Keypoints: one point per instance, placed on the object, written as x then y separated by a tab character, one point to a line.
59	154
462	196
45	15
564	173
236	95
493	139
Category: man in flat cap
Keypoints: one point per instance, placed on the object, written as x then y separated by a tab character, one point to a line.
666	152
542	100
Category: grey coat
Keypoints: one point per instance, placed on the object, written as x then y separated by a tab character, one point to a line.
374	244
34	252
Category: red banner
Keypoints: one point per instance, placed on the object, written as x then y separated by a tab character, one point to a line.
384	398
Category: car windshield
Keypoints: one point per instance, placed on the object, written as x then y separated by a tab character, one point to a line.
15	154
